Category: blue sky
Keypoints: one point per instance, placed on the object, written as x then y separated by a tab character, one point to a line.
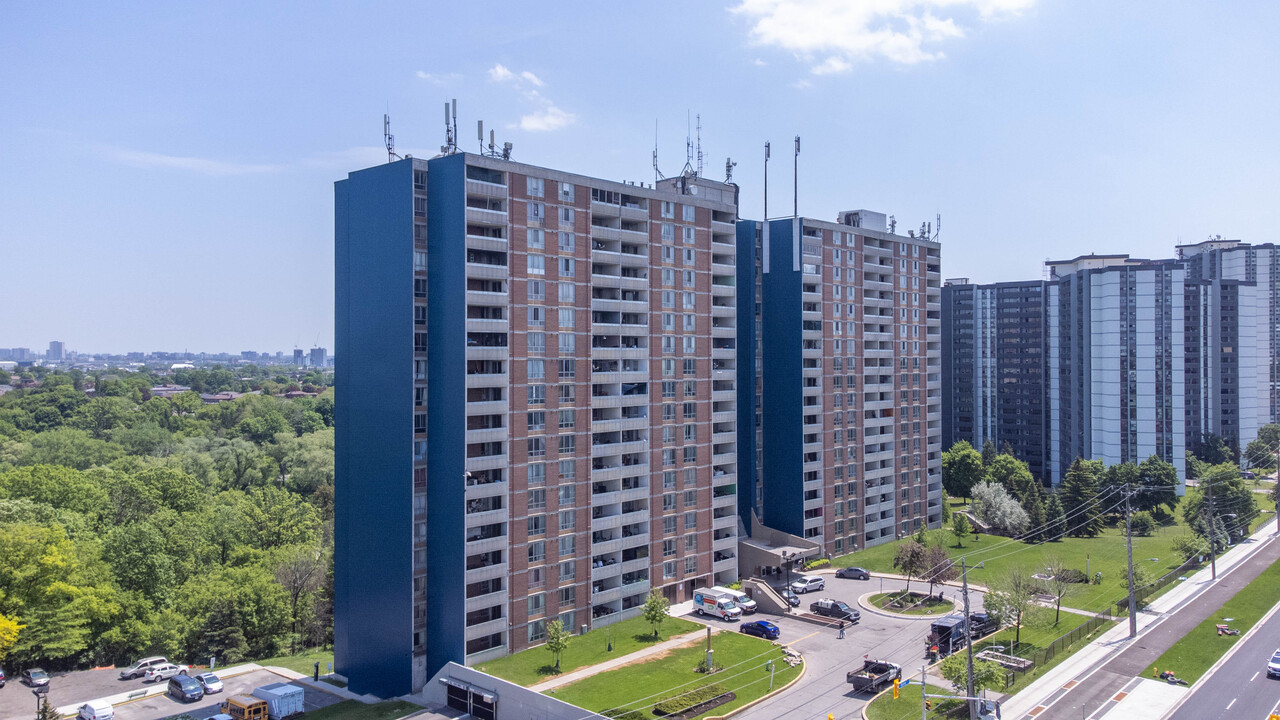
166	169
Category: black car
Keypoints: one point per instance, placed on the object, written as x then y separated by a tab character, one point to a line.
760	628
185	689
853	573
35	677
791	598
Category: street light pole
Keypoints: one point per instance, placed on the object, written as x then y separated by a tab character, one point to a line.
1128	533
968	645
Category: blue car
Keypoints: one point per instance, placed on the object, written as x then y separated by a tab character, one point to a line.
760	628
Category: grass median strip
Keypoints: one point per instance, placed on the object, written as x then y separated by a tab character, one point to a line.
1198	650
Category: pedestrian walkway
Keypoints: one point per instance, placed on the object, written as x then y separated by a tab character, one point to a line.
1100	672
618	662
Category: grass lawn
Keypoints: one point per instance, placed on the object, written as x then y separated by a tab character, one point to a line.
355	710
641	685
1038	631
1199	649
304	663
532	666
1105	553
915	605
907	706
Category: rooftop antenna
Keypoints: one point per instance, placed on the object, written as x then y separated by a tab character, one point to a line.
938	229
729	165
893	224
389	138
699	144
450	131
796	174
766	181
688	146
480	134
657	174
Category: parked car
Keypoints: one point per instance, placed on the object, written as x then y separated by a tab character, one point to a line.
35	677
808	584
156	673
791	598
1273	665
835	609
760	628
982	624
1246	475
210	682
3	679
853	573
185	689
140	668
96	710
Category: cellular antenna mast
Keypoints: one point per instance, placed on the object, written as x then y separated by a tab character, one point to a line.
729	164
389	138
657	174
688	146
699	136
450	129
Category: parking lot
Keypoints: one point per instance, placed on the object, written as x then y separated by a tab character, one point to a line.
823	688
17	702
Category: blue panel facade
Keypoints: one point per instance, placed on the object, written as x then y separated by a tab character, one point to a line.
446	403
746	279
782	410
373	560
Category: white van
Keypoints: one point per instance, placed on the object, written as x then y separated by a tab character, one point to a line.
710	602
96	710
741	599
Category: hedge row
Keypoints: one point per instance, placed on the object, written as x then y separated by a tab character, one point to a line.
680	703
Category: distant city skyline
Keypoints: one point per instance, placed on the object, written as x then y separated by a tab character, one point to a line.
168	174
43	350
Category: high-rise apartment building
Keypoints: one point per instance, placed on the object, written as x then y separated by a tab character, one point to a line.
319	357
993	368
843	379
57	351
299	357
537	411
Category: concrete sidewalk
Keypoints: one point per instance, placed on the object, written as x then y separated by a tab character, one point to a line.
617	662
1158	628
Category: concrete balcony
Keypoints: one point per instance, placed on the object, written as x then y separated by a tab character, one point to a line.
609	522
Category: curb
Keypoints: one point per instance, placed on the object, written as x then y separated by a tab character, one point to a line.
871	608
804	667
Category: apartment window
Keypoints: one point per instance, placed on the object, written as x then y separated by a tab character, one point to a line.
537	631
669	501
568	444
688	301
566	544
688	278
566	419
688	255
537	316
419	369
690	365
568	493
566	292
567	394
690	411
566	215
568	571
668	298
669	457
690	476
691	523
689	343
669	483
690	433
668	367
536	577
535	186
668	209
668	412
566	267
568	596
669	569
691	565
566	194
668	276
537	551
691	454
537	447
668	254
537	603
536	238
668	323
668	388
420	423
537	420
668	547
668	344
419	262
419	287
668	435
567	343
537	342
537	369
535	264
568	368
568	471
537	474
536	290
690	388
537	525
687	235
537	394
566	241
537	212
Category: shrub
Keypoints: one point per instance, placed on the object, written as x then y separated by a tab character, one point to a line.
682	702
815	564
1072	575
622	714
735	585
1142	523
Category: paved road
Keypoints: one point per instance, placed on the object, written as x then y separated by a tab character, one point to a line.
1103	684
1239	688
823	688
17	702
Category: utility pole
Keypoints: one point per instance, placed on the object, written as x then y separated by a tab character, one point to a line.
924	691
1213	548
968	645
1128	533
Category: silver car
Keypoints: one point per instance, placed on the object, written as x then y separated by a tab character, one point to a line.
211	683
165	671
808	584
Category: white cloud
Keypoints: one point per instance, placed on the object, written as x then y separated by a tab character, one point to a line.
758	62
831	35
549	117
202	166
438	78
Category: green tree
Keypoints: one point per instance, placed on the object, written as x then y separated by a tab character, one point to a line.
960	527
1233	506
1079	496
260	605
937	568
102	415
656	609
221	634
59	487
910	559
1159	481
1054	517
300	570
1033	505
9	629
71	448
1142	524
1142	584
136	554
1010	472
557	639
275	518
989	452
1059	584
961	469
987	675
1010	597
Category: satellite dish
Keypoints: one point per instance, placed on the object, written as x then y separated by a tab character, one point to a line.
693	189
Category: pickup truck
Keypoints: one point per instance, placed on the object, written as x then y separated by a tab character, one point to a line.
981	624
834	609
873	676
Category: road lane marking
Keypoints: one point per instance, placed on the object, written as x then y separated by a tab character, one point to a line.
806	637
1255	676
1233	702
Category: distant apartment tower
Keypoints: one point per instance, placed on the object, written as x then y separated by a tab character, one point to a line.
319	357
57	351
299	357
993	368
846	390
536	407
249	355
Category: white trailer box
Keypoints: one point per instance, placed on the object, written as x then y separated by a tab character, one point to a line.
282	700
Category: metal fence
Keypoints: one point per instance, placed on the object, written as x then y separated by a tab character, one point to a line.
1050	651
